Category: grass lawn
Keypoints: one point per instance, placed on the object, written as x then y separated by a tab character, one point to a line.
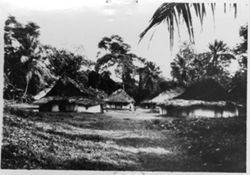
119	140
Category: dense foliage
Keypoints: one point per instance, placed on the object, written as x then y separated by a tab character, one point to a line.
22	58
30	66
239	81
117	55
189	67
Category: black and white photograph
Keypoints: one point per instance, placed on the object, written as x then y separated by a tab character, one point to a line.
126	86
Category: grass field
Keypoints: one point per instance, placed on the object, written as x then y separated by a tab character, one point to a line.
122	140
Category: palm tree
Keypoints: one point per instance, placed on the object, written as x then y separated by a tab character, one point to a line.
35	67
22	49
149	76
220	55
173	13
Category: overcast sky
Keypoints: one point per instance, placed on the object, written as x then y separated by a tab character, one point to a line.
83	23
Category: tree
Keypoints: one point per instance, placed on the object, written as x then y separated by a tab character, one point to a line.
238	89
117	55
102	81
149	76
21	57
241	48
173	13
114	45
63	62
181	65
220	57
149	81
189	67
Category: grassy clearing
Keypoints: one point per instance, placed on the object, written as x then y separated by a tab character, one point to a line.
119	142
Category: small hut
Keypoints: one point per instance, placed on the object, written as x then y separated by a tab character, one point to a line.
66	96
120	100
162	97
205	98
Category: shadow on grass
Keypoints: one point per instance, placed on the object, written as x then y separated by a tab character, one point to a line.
95	138
144	142
84	164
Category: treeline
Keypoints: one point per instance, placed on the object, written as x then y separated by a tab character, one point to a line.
30	66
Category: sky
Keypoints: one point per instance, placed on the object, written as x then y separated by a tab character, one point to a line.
78	26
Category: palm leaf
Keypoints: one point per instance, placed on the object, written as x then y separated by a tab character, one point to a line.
172	13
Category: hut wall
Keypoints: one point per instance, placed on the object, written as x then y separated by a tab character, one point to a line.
90	109
129	106
199	111
70	108
213	113
163	110
148	105
204	112
55	108
44	108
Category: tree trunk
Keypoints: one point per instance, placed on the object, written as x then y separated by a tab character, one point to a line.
26	88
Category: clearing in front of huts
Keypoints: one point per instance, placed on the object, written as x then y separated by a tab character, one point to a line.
122	140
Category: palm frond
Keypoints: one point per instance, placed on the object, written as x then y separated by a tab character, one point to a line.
172	13
161	14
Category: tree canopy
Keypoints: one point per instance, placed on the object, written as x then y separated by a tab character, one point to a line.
189	67
30	66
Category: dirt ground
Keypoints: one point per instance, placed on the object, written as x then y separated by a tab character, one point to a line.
122	140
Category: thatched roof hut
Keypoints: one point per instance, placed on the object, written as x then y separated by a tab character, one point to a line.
120	100
120	96
205	98
66	95
67	87
164	96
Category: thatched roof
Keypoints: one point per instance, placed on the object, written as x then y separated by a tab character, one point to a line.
67	90
164	96
120	96
206	90
75	100
42	93
187	103
66	87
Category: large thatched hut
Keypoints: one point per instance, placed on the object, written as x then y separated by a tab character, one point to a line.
205	98
162	97
120	100
66	96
